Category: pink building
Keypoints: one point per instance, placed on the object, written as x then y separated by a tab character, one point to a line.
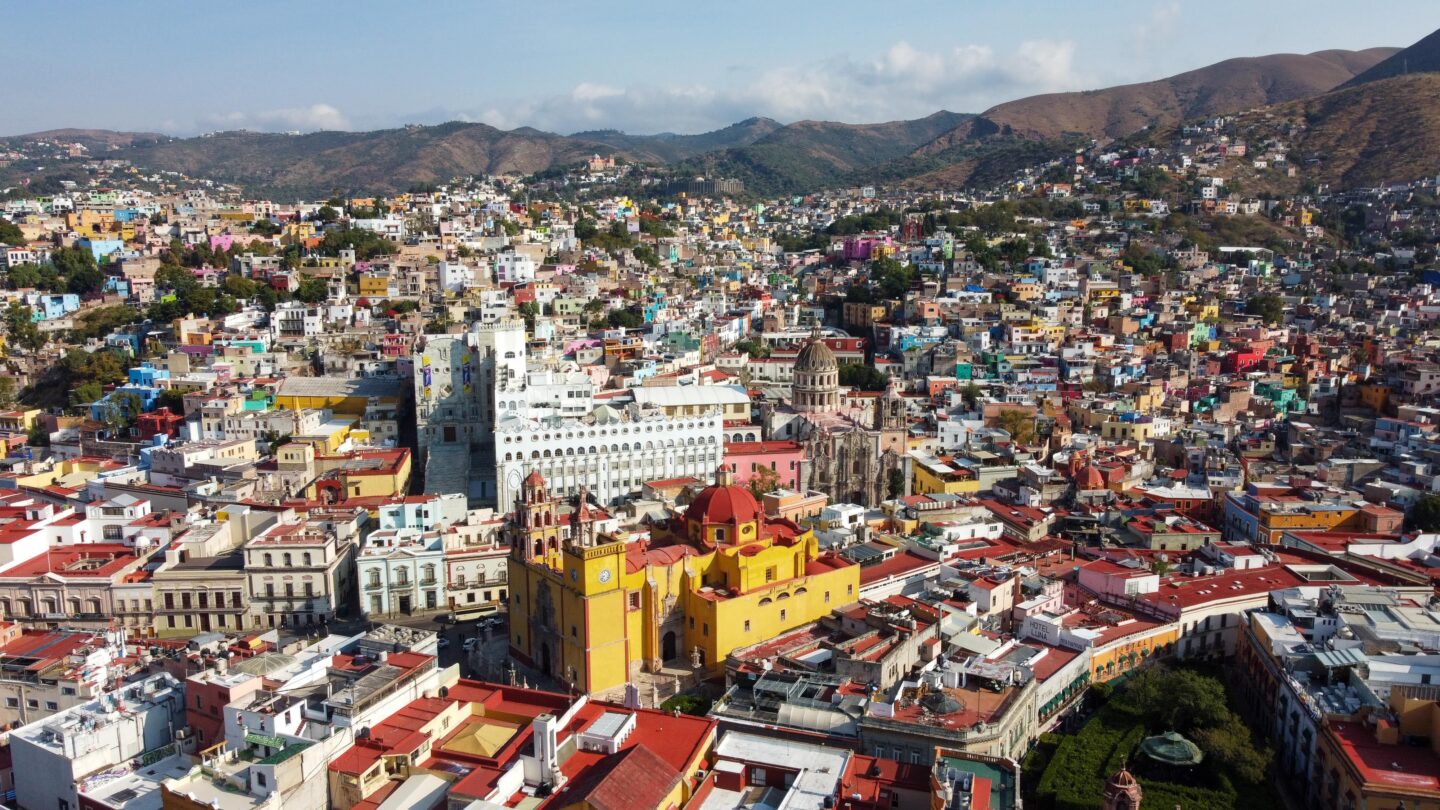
746	458
861	248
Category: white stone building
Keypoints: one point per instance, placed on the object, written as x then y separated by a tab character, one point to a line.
611	452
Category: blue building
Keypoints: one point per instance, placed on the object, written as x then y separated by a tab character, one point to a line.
48	306
101	248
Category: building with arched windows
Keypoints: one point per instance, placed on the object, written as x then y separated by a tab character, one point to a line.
594	608
611	452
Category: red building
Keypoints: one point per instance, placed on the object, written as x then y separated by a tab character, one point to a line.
157	423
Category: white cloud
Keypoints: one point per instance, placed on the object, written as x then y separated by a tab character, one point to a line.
1162	24
305	119
903	81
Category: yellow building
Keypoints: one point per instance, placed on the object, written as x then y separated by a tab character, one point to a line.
1114	657
361	474
941	475
593	610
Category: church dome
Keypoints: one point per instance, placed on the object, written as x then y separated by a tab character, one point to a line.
1122	778
723	504
816	357
1090	477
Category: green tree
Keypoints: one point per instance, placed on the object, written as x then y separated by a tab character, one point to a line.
86	392
866	378
1020	424
529	310
240	287
20	325
895	484
754	348
1424	514
327	214
1231	744
33	276
1180	699
120	410
971	394
585	229
1269	308
312	289
10	233
646	255
172	399
7	392
625	319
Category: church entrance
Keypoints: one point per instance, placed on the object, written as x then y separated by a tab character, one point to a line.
545	663
667	646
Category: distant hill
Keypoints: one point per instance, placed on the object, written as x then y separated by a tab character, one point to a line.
1378	132
1219	89
988	147
380	161
1422	57
949	149
810	155
669	147
92	139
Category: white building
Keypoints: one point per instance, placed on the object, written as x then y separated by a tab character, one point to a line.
475	562
58	758
514	268
401	572
611	452
300	572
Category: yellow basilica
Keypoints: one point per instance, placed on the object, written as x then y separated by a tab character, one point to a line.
592	610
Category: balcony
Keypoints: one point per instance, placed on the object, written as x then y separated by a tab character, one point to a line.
402	586
377	585
428	582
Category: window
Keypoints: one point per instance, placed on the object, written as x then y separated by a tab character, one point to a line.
705	629
33	703
169	601
185	600
13	703
269	561
287	559
307	559
747	625
51	705
260	779
782	614
770	574
827	597
635	602
67	690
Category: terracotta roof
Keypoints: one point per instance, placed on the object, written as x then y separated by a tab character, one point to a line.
637	778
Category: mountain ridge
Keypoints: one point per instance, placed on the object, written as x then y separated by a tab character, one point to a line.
769	157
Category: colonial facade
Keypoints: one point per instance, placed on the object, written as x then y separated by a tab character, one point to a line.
611	452
593	609
299	574
851	454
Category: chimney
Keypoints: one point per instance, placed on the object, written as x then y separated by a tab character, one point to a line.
546	729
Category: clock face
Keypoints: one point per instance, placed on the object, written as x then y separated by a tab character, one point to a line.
604	575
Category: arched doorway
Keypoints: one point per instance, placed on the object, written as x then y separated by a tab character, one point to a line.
545	662
667	646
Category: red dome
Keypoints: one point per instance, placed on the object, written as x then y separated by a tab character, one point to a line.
717	504
1091	478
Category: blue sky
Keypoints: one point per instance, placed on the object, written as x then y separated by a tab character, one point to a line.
182	67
